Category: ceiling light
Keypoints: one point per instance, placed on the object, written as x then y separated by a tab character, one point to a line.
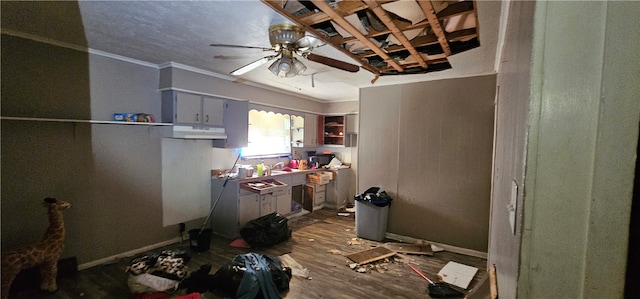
287	66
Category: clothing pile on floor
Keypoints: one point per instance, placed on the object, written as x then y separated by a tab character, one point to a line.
158	272
246	276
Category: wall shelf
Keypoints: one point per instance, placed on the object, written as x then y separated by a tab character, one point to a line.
90	121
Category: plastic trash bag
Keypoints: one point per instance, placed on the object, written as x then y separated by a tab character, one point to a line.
374	196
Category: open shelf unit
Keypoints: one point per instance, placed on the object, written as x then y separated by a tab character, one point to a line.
333	133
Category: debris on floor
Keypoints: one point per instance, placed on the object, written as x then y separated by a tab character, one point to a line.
296	268
370	255
380	266
457	274
335	251
436	248
422	249
354	241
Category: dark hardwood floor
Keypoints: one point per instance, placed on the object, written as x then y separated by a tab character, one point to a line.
319	242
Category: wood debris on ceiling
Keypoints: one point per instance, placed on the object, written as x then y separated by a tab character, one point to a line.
389	37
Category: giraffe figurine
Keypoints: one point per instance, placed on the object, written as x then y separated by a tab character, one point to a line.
44	254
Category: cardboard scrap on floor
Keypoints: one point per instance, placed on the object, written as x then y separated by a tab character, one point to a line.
422	249
370	255
457	274
296	268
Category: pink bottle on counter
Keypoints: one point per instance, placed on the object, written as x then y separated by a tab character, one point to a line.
293	164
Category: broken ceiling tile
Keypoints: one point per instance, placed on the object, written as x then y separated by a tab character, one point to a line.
406	9
410	34
461	22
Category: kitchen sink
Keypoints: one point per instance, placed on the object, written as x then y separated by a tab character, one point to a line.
279	172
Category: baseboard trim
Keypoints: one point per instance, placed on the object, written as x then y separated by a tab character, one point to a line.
446	247
117	257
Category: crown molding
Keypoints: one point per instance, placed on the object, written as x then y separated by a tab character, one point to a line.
152	65
75	47
235	80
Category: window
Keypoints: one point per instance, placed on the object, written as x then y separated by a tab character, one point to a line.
269	134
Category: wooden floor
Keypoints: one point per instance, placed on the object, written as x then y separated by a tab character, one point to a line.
319	242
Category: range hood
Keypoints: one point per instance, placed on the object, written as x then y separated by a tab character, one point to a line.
198	132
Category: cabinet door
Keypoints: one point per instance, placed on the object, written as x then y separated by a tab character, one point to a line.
297	131
343	181
331	196
267	204
283	205
310	129
236	125
212	112
307	200
248	208
188	109
351	124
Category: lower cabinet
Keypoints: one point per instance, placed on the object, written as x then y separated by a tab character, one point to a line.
236	206
249	207
268	204
314	196
283	204
338	189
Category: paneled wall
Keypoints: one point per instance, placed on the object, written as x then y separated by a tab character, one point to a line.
430	146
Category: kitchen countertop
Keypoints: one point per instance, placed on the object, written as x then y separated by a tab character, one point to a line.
275	173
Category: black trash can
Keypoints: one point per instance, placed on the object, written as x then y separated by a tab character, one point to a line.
200	241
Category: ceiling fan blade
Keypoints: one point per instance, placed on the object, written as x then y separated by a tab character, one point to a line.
333	62
239	46
227	57
253	65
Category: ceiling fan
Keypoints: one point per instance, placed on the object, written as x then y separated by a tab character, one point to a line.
289	41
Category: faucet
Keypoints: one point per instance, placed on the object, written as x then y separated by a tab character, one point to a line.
277	165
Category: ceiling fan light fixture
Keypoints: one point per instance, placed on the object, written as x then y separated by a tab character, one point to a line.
285	34
287	67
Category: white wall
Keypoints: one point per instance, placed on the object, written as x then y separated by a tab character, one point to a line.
510	146
584	117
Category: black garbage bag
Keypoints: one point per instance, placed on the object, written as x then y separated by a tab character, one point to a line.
252	275
267	230
374	196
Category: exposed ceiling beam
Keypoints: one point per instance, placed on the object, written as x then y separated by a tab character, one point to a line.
386	19
430	12
342	22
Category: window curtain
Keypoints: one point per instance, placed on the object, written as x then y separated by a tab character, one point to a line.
269	131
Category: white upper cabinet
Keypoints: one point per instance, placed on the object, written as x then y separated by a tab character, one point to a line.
192	109
351	124
310	130
213	112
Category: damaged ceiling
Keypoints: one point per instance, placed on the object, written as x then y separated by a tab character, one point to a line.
390	37
390	42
